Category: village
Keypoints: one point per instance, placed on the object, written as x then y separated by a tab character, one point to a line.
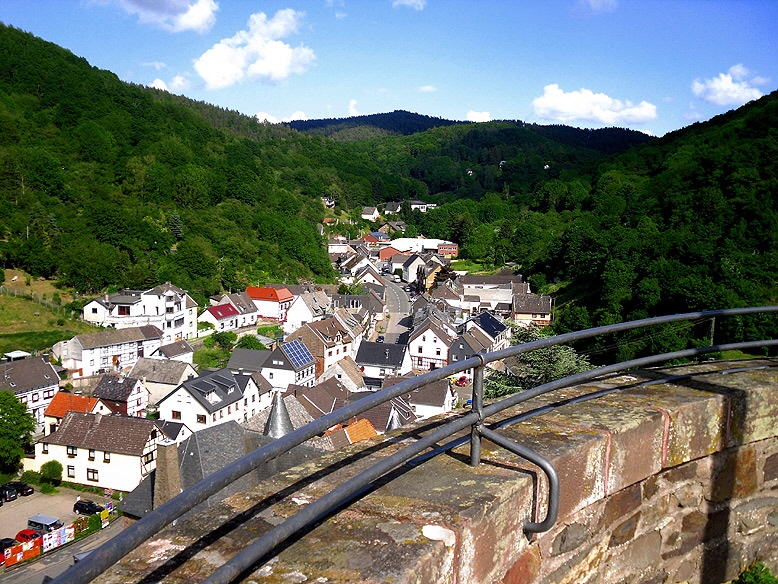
125	409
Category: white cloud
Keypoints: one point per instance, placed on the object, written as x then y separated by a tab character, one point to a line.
159	84
263	116
599	5
428	89
585	105
158	65
415	4
257	52
179	83
174	15
730	88
352	108
473	116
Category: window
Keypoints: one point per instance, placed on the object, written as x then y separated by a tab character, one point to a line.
124	311
91	454
148	457
36	396
91	474
221	413
229	409
437	352
94	311
45	448
72	450
200	419
214	417
420	349
253	398
329	353
176	415
106	456
71	472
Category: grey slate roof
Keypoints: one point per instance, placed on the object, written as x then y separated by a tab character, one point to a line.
159	370
113	387
247	359
380	354
119	336
24	375
176	349
219	384
117	434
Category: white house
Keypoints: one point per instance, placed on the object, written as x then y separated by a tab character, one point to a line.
270	302
118	394
429	400
380	360
35	383
431	339
223	317
370	214
167	307
247	311
109	350
213	398
161	376
108	452
422	206
307	307
288	364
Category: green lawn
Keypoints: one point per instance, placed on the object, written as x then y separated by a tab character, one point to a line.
28	326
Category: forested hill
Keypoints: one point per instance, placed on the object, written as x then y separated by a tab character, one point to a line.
396	123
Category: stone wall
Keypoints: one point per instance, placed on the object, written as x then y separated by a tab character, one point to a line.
667	475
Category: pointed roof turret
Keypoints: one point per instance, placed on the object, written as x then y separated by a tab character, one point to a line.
278	422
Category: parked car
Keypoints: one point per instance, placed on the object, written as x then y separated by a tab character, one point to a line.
21	488
86	507
379	339
7	493
462	381
26	535
43	523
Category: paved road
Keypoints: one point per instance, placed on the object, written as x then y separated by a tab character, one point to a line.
399	306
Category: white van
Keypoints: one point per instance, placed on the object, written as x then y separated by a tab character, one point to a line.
43	523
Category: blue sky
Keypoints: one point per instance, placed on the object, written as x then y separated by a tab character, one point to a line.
650	65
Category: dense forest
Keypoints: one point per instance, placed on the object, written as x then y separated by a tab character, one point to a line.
107	184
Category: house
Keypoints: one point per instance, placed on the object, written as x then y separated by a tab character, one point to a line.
448	249
430	338
272	303
347	372
368	274
183	465
178	351
63	403
107	452
370	214
328	340
167	307
212	398
410	267
118	394
290	363
110	350
34	381
498	333
161	377
393	207
422	206
307	307
382	360
244	304
223	317
532	309
430	400
387	416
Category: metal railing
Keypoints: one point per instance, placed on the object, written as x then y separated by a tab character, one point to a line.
115	549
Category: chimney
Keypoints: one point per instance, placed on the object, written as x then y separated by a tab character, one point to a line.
167	483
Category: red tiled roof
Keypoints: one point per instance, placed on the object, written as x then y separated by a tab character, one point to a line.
67	402
223	311
362	429
269	294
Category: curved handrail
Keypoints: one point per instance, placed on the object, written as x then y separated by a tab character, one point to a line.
116	548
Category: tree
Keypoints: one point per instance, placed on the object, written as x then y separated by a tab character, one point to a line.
16	427
536	367
250	342
51	472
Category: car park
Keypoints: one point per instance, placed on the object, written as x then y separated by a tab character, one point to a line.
86	507
20	487
26	535
8	493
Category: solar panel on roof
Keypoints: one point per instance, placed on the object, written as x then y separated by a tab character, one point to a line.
297	353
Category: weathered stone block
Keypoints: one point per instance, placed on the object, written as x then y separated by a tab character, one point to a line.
526	568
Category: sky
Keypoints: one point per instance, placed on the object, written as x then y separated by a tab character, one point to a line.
649	65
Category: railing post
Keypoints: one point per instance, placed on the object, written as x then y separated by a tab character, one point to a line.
477	406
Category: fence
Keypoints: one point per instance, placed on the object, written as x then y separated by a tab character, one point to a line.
40	299
113	550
